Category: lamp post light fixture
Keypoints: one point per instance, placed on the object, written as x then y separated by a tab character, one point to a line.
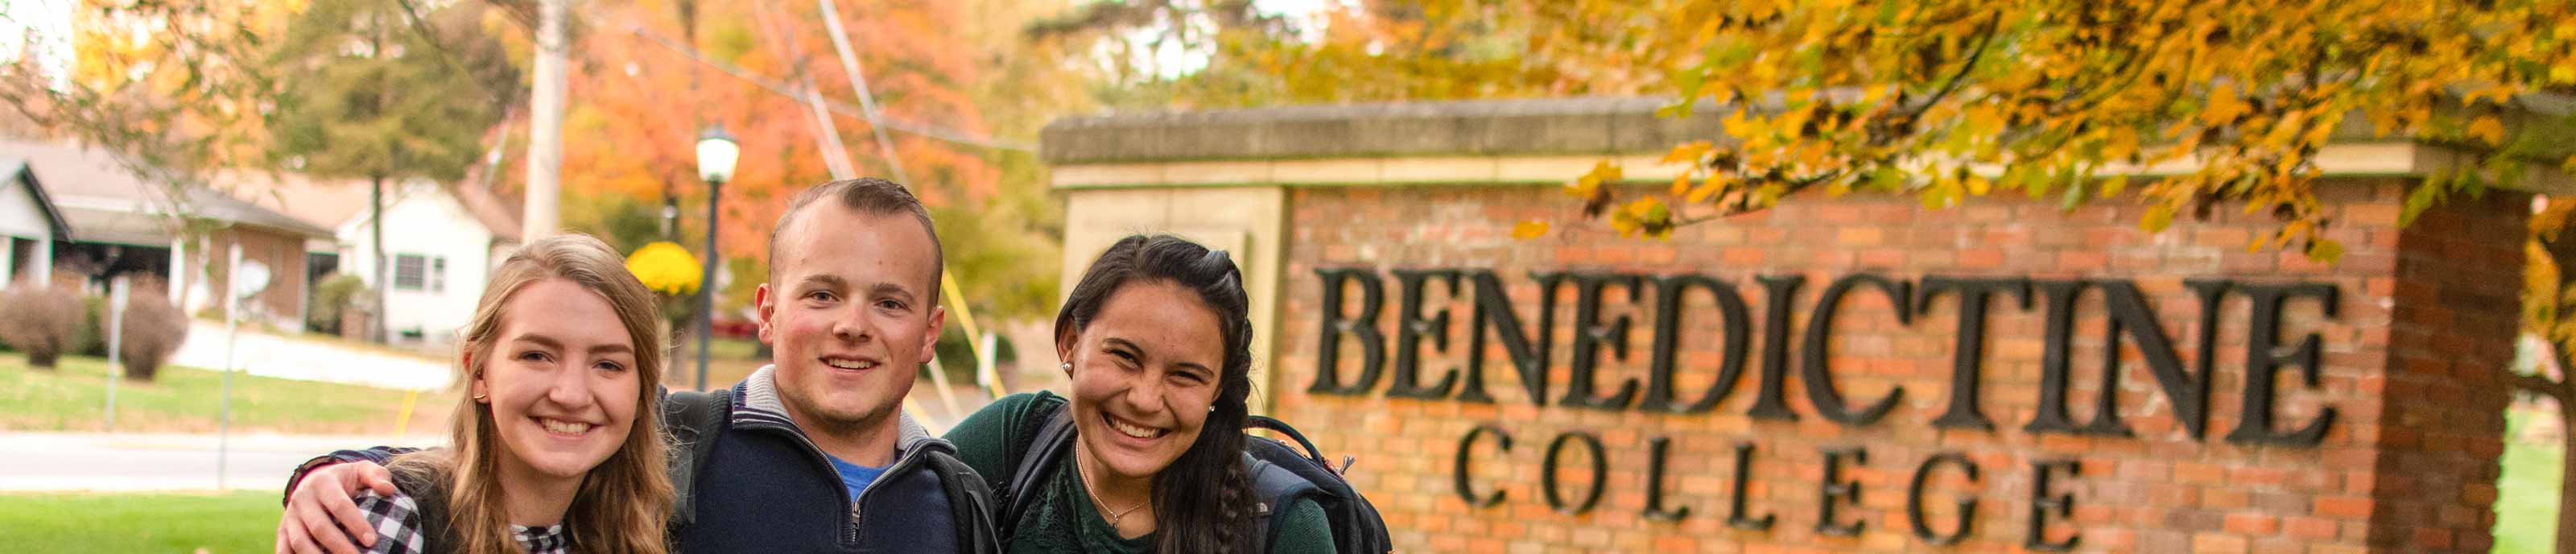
716	154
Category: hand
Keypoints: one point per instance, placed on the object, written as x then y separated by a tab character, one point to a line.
322	506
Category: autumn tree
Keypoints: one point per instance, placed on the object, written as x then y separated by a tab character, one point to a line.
1949	101
172	105
1365	51
385	91
644	90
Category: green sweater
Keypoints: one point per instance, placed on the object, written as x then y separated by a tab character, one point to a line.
1063	520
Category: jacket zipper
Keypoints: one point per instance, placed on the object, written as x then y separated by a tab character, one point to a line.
910	457
855	506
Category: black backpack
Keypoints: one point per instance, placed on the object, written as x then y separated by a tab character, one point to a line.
1280	477
696	418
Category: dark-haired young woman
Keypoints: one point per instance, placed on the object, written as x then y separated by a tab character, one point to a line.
1157	340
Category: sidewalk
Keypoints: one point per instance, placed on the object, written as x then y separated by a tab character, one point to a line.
283	357
120	462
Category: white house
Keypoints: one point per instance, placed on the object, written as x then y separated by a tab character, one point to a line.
120	222
29	224
441	241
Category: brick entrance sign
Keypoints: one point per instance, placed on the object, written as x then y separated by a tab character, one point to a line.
1852	373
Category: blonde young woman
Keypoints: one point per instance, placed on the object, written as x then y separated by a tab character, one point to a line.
556	447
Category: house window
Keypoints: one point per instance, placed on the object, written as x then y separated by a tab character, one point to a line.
438	274
418	272
409	271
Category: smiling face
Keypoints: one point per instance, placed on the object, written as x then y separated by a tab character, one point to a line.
1144	373
560	380
851	314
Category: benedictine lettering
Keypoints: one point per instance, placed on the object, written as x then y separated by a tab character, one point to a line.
1353	352
1423	330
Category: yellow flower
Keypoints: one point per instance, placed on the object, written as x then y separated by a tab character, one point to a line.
666	268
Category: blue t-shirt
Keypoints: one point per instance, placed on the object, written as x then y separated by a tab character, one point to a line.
855	476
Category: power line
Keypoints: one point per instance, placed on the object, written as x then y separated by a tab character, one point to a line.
797	93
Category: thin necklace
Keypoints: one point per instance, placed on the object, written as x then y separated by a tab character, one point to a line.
1114	516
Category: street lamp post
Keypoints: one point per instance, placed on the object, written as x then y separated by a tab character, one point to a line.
716	154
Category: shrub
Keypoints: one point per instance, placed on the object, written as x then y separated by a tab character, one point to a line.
45	323
92	339
153	330
333	298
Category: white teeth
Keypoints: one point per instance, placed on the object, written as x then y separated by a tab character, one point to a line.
566	427
1132	430
850	364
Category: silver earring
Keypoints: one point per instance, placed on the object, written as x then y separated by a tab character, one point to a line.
1211	409
1068	366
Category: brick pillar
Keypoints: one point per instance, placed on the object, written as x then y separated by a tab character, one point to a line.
2458	287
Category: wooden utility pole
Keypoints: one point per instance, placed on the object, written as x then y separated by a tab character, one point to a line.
545	144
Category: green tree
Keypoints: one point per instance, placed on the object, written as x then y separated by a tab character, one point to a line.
385	91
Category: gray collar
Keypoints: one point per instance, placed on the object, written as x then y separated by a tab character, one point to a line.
761	406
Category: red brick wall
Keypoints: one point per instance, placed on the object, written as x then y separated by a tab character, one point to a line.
283	254
2423	318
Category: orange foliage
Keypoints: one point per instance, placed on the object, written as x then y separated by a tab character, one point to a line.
636	117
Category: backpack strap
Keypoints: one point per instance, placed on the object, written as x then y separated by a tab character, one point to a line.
970	503
1054	438
1276	488
1274	425
428	492
695	420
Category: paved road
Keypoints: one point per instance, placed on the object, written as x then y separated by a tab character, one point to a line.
161	462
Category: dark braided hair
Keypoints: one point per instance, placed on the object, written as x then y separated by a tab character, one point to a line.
1202	502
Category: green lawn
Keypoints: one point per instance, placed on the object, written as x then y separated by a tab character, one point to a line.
2527	496
72	397
244	521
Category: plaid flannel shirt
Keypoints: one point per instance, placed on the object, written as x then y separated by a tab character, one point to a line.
397	523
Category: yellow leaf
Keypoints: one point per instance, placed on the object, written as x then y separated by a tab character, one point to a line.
1688	152
1739	126
2223	106
2488	129
2122	144
1642	206
1604	172
1681	184
1701	193
1583	187
1624	223
1529	229
2500	93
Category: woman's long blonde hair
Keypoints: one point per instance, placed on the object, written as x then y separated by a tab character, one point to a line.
623	504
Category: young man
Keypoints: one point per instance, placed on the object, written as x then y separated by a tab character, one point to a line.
812	453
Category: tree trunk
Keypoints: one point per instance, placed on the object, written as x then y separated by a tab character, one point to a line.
2566	480
376	244
545	144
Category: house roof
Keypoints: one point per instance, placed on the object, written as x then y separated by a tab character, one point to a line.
488	208
323	202
331	203
19	171
99	197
